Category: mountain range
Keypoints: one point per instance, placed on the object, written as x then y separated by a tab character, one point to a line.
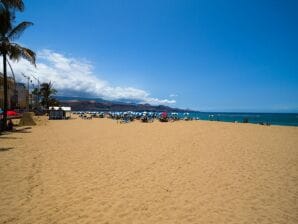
98	104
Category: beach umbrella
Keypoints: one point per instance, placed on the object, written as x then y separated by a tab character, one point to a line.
164	114
11	113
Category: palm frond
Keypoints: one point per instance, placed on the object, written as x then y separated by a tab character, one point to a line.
15	52
17	4
5	22
17	31
4	47
29	55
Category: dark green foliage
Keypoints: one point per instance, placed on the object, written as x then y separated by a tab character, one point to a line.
47	93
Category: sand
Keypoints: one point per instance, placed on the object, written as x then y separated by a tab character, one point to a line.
98	171
27	119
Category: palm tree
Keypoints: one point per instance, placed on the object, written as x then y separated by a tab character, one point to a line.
13	4
47	93
8	33
35	92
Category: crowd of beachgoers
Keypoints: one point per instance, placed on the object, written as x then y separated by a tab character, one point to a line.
129	116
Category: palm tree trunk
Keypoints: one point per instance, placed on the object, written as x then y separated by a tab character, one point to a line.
5	103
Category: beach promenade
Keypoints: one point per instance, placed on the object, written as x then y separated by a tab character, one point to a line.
100	171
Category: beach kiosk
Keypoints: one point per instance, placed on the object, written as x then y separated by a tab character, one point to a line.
59	113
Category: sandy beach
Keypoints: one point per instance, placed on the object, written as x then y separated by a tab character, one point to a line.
99	171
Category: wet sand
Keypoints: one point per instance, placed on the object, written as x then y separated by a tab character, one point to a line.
98	171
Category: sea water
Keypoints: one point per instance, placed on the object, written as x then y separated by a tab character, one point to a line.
288	119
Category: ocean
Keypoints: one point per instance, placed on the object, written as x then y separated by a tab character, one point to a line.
287	119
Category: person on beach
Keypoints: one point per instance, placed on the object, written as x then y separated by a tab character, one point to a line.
1	120
9	125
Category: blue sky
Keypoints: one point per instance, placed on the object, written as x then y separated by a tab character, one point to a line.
206	55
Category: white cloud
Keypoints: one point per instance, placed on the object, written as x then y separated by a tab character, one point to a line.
73	76
173	95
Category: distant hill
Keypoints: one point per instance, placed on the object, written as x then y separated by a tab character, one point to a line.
90	104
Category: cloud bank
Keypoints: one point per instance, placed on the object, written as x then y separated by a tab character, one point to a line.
73	77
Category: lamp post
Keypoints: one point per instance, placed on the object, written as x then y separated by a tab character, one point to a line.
38	87
28	80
